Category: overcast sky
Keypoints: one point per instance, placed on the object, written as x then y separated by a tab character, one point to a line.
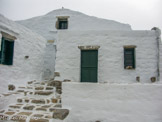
140	14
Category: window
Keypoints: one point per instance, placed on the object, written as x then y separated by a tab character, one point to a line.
129	57
6	51
62	23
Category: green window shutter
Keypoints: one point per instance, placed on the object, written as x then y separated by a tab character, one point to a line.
129	58
62	24
3	51
7	51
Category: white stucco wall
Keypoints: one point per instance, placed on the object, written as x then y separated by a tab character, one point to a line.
158	34
91	102
45	25
49	61
160	64
26	44
110	54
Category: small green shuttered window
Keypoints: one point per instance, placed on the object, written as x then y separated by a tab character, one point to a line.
6	51
62	22
129	58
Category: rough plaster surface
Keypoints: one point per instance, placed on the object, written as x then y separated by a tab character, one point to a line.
110	54
89	102
45	25
160	64
112	43
49	61
27	44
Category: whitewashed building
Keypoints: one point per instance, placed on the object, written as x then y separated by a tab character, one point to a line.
21	54
90	49
76	47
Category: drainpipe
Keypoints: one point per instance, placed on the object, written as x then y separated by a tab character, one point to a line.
158	39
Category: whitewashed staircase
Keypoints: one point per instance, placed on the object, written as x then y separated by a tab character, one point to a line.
41	102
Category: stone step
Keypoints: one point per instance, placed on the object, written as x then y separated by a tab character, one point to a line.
2	111
60	113
31	82
33	116
36	87
15	106
32	96
25	89
4	117
9	93
49	88
40	83
41	109
10	112
23	100
24	116
39	113
46	106
31	100
28	107
22	87
54	83
21	116
58	106
38	120
39	88
39	101
43	93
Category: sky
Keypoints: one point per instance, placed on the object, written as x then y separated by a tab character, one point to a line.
140	14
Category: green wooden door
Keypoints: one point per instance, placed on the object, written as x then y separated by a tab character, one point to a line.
89	63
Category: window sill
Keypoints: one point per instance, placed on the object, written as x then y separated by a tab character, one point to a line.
130	69
5	65
63	29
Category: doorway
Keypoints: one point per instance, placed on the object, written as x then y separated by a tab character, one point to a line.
89	65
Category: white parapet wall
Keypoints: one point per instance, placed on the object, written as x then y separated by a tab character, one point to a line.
95	102
110	54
